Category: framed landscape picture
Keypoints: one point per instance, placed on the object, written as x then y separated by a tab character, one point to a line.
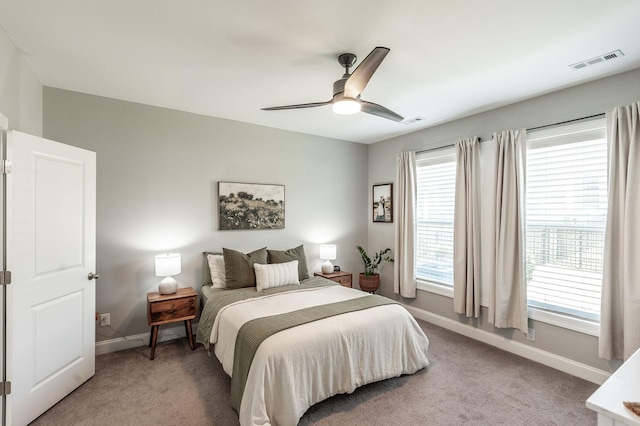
250	206
382	203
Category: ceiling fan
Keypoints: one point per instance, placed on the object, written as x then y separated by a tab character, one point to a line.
346	91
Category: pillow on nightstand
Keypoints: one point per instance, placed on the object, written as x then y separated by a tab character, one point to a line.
276	274
297	253
238	267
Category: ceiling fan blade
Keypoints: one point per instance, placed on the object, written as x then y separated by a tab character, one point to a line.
358	80
311	105
380	111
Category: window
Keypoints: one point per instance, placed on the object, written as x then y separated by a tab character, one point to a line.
566	205
436	176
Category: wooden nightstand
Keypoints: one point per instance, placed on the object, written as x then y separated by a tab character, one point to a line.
167	308
342	277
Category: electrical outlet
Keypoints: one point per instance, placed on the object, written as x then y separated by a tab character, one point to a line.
105	320
531	335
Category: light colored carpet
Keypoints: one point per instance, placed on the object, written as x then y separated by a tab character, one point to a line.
468	383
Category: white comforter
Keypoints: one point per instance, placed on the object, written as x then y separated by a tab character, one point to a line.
298	367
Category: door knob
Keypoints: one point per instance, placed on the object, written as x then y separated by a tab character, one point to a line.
92	276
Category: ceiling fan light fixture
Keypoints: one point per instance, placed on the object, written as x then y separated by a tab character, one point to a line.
346	91
346	106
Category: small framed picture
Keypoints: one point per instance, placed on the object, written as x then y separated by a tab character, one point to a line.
382	203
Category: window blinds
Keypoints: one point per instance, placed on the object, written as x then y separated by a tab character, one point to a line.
566	204
436	176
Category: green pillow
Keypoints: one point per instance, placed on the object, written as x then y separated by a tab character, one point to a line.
276	256
238	267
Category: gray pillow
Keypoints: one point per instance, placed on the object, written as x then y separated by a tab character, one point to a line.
297	253
238	267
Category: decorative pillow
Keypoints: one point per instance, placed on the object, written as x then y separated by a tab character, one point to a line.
206	272
216	269
238	267
297	253
276	274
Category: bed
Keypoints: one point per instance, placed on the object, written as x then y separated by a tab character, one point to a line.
290	346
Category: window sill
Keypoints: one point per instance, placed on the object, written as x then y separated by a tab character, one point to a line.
576	324
442	290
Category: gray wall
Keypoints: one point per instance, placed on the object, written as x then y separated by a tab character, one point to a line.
20	90
157	191
580	101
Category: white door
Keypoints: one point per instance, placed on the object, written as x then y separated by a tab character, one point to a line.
51	250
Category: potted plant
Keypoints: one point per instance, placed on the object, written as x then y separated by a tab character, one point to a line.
369	279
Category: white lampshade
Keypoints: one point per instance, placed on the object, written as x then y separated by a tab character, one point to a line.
327	253
346	106
167	265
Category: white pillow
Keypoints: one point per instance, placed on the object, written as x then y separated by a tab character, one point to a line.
276	274
216	266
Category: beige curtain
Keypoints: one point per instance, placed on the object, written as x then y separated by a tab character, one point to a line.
466	229
620	313
404	268
508	298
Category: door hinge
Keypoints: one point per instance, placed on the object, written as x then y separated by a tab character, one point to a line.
5	167
5	388
5	277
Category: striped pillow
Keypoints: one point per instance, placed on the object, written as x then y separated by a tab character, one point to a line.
276	274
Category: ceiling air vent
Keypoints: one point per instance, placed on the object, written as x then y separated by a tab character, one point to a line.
602	58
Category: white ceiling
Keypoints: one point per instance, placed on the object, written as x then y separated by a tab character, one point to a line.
228	59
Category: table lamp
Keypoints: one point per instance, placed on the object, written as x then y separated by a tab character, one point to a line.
167	265
327	253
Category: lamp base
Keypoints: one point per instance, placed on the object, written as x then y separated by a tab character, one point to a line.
327	267
168	286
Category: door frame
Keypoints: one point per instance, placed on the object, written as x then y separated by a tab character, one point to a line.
4	128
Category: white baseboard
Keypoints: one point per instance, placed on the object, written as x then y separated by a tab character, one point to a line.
565	365
136	340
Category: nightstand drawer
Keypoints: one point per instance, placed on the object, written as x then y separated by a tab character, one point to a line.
181	306
345	280
172	310
341	277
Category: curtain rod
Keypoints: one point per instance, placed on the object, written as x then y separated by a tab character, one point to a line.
566	122
441	147
602	114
